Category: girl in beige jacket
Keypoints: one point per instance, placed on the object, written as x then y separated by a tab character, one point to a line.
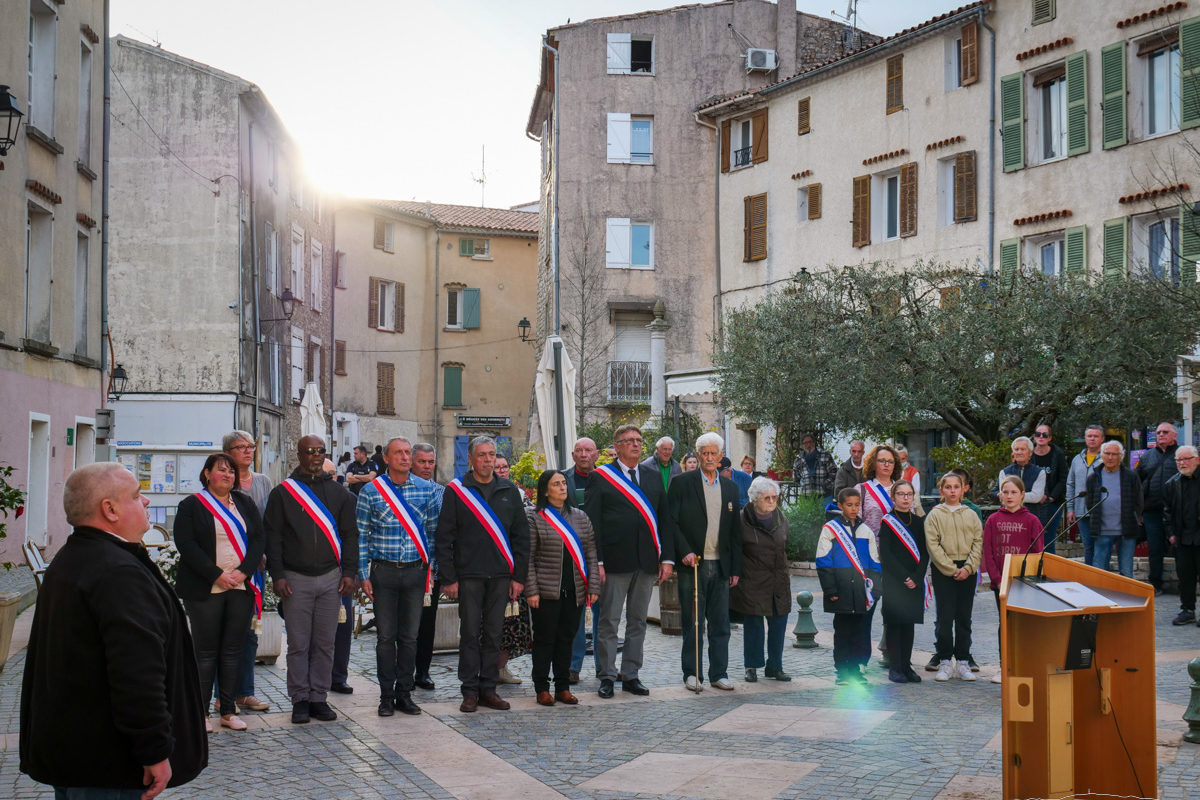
954	537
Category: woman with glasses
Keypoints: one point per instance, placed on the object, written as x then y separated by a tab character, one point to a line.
904	558
239	446
881	470
764	590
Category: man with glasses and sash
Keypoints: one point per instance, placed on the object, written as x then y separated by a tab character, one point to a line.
635	547
482	555
312	555
397	517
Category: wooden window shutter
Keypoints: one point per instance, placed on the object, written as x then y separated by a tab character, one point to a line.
1189	245
373	303
1189	64
755	228
1012	121
380	234
758	128
385	388
1043	11
1116	248
1010	260
399	313
803	116
861	195
969	38
1112	95
726	132
965	183
1075	252
908	199
1077	104
814	201
339	357
895	84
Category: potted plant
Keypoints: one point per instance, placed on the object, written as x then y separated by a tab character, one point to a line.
11	499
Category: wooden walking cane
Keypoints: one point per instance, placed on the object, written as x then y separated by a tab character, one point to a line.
696	620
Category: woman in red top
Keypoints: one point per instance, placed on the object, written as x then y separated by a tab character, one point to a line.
1013	529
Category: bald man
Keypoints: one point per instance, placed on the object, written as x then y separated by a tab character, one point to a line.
123	712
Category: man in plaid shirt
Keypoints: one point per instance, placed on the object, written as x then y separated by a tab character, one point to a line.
394	572
814	470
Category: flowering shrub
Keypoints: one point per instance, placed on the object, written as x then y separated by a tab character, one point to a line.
167	560
11	498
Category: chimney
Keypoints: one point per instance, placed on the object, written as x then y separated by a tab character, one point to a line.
785	38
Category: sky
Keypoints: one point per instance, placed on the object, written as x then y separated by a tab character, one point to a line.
401	99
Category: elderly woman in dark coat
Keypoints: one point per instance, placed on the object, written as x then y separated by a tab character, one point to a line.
904	558
764	591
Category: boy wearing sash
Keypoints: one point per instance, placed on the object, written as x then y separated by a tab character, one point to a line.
312	555
397	517
482	555
848	567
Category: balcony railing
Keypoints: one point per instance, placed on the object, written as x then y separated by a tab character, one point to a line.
629	382
741	157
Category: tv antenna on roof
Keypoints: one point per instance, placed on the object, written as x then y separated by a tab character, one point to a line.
851	20
482	179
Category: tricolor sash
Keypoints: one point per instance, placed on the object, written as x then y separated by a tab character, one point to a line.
904	535
407	517
846	539
236	531
880	495
570	539
634	494
315	509
473	500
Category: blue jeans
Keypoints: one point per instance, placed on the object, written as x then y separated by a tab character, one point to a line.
752	643
714	610
579	646
1156	538
1085	535
1103	553
95	793
1050	515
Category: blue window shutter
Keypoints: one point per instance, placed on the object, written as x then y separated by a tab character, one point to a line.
452	386
466	247
504	447
471	308
461	465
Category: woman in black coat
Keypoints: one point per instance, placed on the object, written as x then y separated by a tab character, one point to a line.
764	590
220	538
904	559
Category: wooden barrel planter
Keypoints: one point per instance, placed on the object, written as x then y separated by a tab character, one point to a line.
668	607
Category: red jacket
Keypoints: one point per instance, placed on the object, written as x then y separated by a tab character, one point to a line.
1006	533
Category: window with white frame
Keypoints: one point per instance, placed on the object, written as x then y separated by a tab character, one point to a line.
275	371
40	66
957	189
475	248
271	242
741	142
297	359
454	308
82	270
629	244
630	139
628	54
802	204
315	273
887	188
1050	114
1163	99
84	146
297	266
386	307
1155	244
385	232
39	260
1047	253
953	61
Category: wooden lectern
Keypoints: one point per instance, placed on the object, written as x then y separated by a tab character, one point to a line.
1077	660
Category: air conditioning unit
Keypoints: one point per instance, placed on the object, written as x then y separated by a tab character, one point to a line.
758	60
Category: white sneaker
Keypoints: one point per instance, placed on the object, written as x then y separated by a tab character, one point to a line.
944	669
998	678
724	684
963	671
693	685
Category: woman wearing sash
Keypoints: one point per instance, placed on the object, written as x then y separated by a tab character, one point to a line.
562	573
881	470
904	559
220	538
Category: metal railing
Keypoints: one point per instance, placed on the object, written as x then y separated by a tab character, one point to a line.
629	381
741	157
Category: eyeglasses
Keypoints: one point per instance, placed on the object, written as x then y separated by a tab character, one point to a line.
312	451
769	498
1182	459
1041	436
904	494
884	461
249	447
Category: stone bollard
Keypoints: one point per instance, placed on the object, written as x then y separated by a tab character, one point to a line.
805	631
1192	715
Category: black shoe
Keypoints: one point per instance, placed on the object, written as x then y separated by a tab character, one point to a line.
405	704
387	707
971	663
300	712
1185	616
777	675
322	711
896	676
424	682
912	676
341	688
934	663
606	688
634	686
574	677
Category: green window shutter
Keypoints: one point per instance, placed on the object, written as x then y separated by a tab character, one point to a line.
466	247
1189	61
1010	260
1189	244
1076	252
1112	90
471	308
452	386
1012	121
1043	11
1077	104
1116	249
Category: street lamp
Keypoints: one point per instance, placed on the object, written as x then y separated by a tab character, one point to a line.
523	327
116	382
288	301
10	120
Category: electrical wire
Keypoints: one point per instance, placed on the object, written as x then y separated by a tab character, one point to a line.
1112	710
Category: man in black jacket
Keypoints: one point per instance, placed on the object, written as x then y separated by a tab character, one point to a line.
1154	469
123	712
1181	518
312	555
705	507
482	556
635	545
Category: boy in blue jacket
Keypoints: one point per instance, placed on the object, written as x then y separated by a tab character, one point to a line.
848	567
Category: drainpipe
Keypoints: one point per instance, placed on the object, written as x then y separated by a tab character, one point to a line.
718	323
991	147
332	312
437	301
558	385
105	333
254	284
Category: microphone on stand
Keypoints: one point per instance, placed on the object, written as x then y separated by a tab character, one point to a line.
1042	533
1103	497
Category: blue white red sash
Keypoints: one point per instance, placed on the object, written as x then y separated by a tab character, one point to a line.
880	495
473	500
569	537
315	509
928	592
407	517
634	494
846	539
904	535
236	531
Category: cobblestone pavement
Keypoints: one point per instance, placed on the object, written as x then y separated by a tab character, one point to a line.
805	739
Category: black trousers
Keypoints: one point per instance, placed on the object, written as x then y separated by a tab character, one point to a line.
1187	560
398	595
481	604
219	624
900	645
955	602
426	631
851	641
341	643
554	625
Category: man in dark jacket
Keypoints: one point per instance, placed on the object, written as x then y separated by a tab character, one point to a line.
579	478
1181	519
1154	469
312	555
1115	495
705	507
111	695
483	557
850	473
